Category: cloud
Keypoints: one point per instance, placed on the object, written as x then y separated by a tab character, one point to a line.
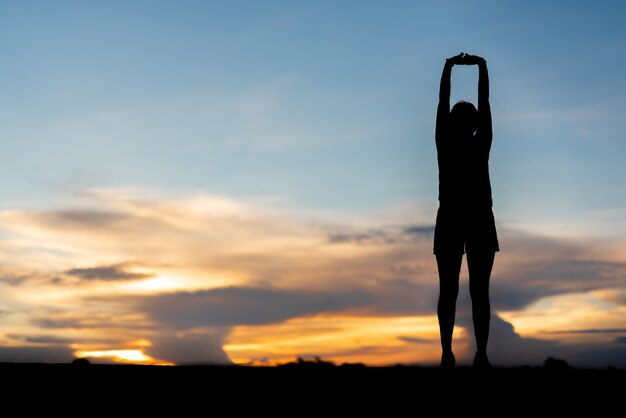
383	236
597	355
615	295
419	231
506	347
80	218
107	273
414	340
190	348
218	263
240	306
400	297
41	339
12	279
84	320
535	279
39	354
405	270
589	331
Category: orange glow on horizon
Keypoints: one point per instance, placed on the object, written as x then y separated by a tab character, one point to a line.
132	356
369	340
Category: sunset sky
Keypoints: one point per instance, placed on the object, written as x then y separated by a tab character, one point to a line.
252	181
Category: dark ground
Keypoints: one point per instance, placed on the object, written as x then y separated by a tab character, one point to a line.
307	391
557	382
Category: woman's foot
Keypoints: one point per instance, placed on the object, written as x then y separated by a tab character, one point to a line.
447	360
481	361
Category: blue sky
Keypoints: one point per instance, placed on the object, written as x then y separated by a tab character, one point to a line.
328	105
214	143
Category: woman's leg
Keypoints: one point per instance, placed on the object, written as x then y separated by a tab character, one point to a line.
449	266
479	264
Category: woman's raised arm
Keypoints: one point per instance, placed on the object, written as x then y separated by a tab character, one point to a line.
484	109
443	109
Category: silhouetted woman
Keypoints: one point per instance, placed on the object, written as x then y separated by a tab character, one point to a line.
465	222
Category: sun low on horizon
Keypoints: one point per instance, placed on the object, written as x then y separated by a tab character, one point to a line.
242	183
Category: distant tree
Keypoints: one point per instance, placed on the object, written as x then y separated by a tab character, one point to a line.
80	362
556	364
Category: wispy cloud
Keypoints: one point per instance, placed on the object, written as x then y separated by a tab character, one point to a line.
389	235
107	273
590	331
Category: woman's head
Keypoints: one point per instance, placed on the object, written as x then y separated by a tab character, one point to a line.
464	118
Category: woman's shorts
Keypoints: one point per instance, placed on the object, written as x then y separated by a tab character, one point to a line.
458	231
